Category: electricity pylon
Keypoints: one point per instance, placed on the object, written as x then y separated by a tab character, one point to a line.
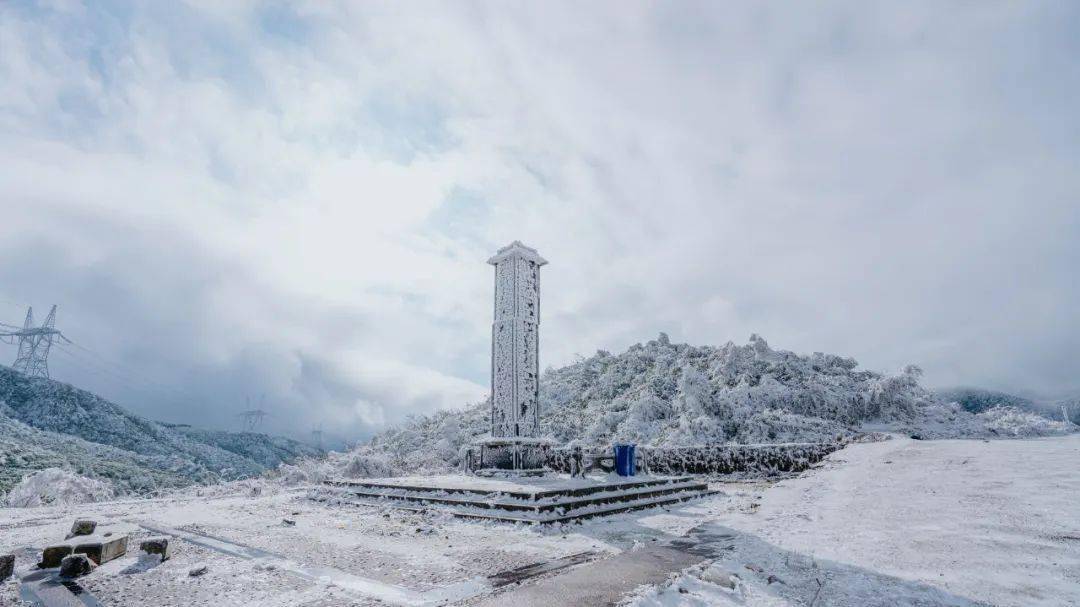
253	417
34	344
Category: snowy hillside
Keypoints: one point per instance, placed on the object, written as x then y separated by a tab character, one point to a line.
45	423
267	451
978	400
665	394
24	450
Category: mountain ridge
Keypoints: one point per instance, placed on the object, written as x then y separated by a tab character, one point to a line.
48	423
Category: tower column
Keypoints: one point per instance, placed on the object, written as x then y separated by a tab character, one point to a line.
515	443
515	364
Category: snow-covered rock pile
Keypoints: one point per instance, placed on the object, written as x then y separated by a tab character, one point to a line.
53	486
677	395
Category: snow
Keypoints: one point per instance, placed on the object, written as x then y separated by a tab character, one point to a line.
56	486
947	522
896	522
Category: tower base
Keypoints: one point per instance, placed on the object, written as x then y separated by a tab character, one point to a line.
516	455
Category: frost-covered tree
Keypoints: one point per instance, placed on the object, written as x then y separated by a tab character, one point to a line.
662	394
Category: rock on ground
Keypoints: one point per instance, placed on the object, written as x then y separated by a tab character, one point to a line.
82	527
7	566
160	546
75	565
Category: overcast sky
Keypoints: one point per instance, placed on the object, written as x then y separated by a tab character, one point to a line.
293	202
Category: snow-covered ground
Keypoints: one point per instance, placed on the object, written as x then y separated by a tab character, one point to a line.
898	522
986	521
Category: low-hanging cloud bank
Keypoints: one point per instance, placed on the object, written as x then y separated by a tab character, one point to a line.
292	204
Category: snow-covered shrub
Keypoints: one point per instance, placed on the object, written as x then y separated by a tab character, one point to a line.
366	464
977	400
662	394
53	486
780	426
1010	421
303	472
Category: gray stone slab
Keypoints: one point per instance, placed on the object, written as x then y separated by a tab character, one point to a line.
105	550
599	583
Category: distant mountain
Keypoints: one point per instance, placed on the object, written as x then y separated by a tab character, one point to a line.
267	451
978	400
24	450
43	421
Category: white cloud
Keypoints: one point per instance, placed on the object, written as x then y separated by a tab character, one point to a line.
890	183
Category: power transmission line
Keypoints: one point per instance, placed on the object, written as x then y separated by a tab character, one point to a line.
119	371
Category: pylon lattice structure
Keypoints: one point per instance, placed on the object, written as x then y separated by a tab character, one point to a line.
34	344
252	418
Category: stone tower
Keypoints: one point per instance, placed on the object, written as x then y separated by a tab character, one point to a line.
515	364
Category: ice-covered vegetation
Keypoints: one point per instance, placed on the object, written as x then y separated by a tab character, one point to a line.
676	395
977	400
53	486
49	424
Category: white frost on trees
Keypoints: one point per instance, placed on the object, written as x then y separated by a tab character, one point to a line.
676	395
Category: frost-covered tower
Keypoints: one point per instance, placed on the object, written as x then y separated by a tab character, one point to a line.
515	365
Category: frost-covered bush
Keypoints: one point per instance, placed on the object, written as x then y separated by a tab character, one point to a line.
1010	421
977	400
53	486
366	464
661	394
304	471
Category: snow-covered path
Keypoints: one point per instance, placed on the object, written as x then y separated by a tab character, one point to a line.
995	522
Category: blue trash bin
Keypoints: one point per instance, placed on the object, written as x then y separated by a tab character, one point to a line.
624	460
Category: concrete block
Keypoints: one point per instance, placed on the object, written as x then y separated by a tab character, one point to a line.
105	550
161	546
52	555
75	565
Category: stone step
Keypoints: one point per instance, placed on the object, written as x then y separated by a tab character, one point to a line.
582	511
521	495
613	495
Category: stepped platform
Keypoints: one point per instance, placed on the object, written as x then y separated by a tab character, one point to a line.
554	498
